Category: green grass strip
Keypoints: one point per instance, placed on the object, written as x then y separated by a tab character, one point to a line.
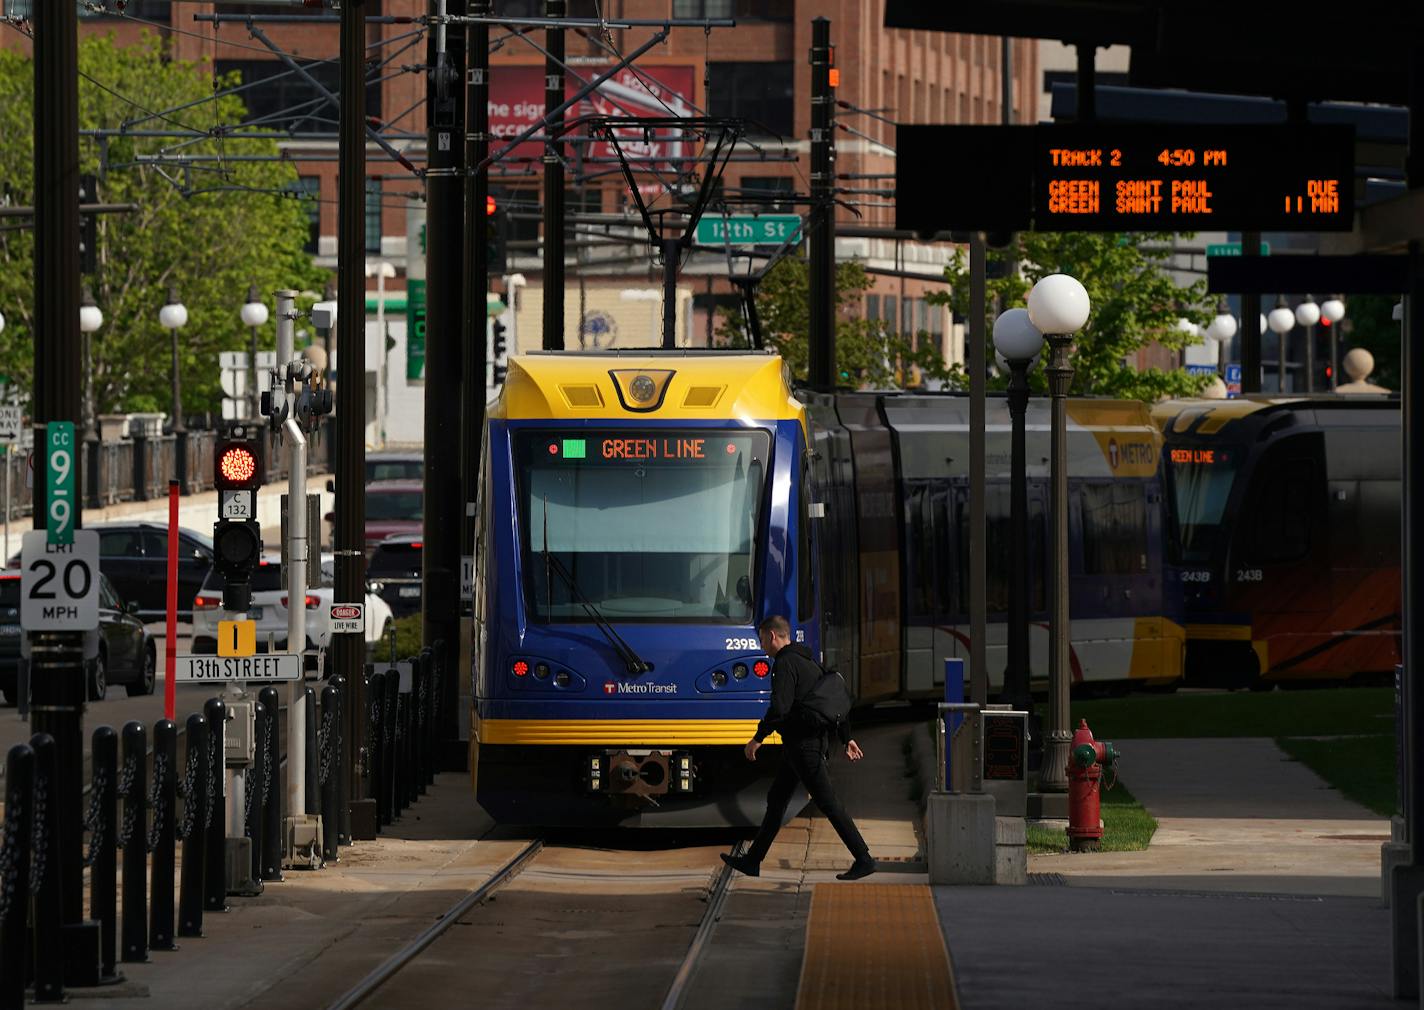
1313	712
1127	827
1362	768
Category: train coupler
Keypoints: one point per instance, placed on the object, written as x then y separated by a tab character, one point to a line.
643	773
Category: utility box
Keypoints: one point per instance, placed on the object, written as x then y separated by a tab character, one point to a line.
313	540
239	735
1004	762
304	842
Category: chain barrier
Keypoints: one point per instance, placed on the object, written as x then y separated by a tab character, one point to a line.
39	834
248	792
94	817
156	798
327	738
214	781
126	787
186	789
267	764
9	865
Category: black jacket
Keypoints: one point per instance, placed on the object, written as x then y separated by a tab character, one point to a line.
793	674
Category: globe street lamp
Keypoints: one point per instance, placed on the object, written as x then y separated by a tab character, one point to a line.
1332	310
1221	329
1282	321
254	314
172	317
1018	343
1307	313
90	319
1058	306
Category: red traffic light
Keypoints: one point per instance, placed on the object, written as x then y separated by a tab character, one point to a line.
235	466
490	207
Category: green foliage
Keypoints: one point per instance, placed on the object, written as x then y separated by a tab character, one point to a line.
1313	712
408	631
1362	768
1134	303
867	354
1127	826
210	230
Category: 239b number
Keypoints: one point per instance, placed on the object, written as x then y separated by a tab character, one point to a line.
739	644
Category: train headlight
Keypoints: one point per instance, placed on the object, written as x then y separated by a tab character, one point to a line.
739	671
642	389
719	678
541	671
562	679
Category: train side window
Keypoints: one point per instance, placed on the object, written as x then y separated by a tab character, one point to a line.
1114	529
1283	511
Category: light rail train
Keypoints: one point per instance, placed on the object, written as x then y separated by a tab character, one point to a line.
642	511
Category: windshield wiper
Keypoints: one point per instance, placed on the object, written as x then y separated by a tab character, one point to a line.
634	662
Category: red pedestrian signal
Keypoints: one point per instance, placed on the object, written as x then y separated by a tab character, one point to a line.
490	207
236	466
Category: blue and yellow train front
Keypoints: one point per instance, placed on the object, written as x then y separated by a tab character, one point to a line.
639	516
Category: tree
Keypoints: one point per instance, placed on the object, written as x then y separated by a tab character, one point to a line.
867	353
1134	303
209	228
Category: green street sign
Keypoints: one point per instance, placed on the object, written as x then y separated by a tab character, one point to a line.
415	329
1233	249
59	482
764	229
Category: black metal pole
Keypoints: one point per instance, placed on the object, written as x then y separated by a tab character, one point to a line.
104	874
215	819
438	689
348	651
135	843
195	803
313	769
400	791
821	362
422	725
553	181
256	797
272	789
377	694
338	763
165	826
1251	323
328	777
14	920
45	885
1016	685
445	279
390	692
672	254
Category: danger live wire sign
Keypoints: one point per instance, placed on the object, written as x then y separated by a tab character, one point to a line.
274	666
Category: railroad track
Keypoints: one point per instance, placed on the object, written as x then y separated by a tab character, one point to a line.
676	992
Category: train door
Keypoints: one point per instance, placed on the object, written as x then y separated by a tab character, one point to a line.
834	539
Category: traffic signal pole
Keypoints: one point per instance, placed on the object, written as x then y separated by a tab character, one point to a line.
349	651
554	181
57	657
444	277
822	231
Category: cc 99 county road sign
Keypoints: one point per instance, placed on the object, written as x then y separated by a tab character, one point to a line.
1125	177
60	463
59	583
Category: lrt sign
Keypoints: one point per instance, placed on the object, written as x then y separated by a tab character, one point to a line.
59	583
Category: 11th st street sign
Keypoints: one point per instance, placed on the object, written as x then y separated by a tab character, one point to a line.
765	229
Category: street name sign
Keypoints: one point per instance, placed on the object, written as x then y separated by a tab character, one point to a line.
269	667
348	618
59	482
1233	249
746	229
11	423
59	583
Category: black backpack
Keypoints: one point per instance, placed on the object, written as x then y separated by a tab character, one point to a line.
827	704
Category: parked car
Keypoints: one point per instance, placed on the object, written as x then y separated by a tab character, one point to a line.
393	507
269	608
394	573
395	466
128	654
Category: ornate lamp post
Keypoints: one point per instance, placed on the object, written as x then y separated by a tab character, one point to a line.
90	319
1058	306
1018	343
1281	321
173	317
254	314
1332	310
1221	329
1307	313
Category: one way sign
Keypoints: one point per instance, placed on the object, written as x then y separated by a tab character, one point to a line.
10	422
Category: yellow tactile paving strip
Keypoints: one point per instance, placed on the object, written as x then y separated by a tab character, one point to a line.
874	945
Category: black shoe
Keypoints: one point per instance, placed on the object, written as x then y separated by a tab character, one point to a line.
742	864
862	867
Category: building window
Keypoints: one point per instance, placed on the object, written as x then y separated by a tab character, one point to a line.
872	308
283	99
763	191
373	216
755	10
308	190
890	316
760	93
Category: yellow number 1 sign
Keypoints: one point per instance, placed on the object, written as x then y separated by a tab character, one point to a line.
237	638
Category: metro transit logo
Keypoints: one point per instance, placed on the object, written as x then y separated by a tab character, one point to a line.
612	687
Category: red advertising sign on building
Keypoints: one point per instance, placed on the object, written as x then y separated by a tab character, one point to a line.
653	91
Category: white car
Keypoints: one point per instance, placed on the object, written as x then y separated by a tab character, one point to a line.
269	610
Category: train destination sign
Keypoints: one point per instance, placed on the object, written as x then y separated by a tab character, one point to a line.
1125	177
648	446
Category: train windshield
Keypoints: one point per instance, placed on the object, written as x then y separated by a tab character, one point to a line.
652	525
1201	480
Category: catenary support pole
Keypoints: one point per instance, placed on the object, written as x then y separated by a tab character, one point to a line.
1251	323
553	181
822	235
348	651
297	550
977	355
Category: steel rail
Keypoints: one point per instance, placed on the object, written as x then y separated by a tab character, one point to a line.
368	985
716	898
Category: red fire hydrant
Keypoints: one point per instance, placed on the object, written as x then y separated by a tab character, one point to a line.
1086	762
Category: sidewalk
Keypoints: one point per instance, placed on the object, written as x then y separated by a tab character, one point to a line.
1260	890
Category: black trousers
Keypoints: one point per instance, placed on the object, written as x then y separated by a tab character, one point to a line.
805	761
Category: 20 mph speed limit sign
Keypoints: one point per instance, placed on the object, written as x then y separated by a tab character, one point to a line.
59	583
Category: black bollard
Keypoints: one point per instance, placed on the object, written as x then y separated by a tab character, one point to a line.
215	847
44	874
375	728
399	800
257	785
338	764
329	771
163	834
133	782
313	784
15	881
272	787
194	831
427	740
437	705
421	698
103	845
391	690
412	767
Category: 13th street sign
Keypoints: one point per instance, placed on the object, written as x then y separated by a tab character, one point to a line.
766	229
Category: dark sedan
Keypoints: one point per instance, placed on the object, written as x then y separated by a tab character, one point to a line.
393	573
128	654
135	557
395	466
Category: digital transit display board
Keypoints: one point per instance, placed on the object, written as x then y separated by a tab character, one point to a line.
1125	177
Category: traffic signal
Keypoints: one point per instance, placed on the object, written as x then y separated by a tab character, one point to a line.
496	235
500	356
237	537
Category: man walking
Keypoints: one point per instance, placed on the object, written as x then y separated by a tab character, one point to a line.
805	751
